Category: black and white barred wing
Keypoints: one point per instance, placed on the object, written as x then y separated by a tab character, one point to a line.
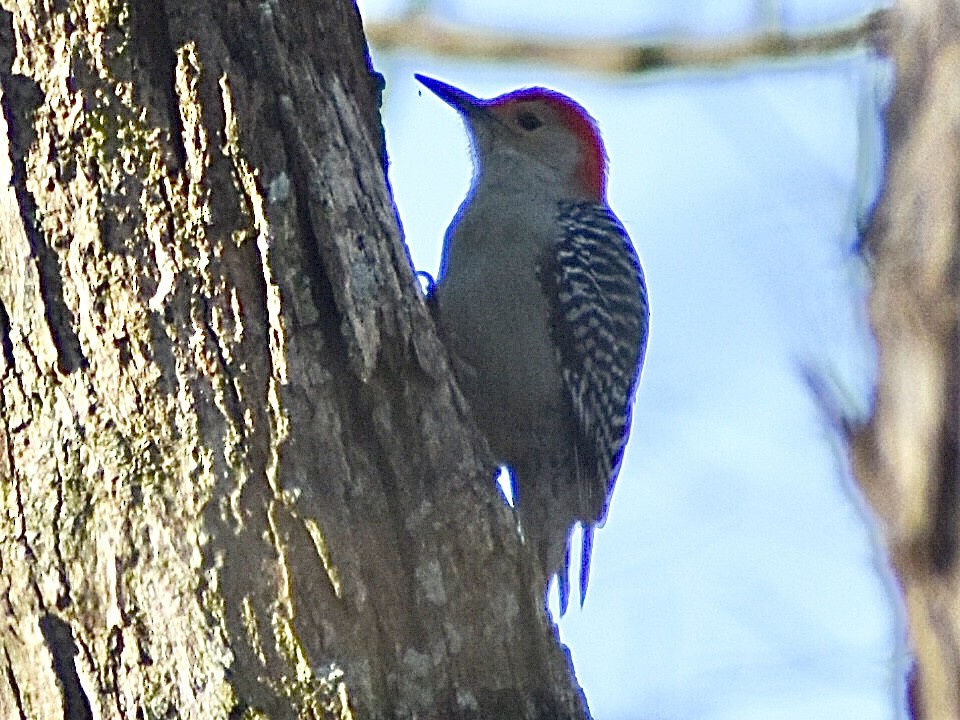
600	323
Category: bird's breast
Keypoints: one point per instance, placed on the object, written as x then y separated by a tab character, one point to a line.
496	325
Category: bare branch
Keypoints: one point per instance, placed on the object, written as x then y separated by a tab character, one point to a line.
619	56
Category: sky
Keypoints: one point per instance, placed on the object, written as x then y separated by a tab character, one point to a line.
739	574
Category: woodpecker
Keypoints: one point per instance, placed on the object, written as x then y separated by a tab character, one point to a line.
542	303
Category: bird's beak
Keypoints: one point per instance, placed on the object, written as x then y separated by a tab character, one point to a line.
464	103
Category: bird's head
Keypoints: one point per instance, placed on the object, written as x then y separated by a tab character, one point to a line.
532	131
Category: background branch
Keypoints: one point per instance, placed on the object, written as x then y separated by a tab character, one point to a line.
422	33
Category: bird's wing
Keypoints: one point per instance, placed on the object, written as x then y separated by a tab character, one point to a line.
600	319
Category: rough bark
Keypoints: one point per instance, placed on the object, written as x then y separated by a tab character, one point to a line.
237	478
907	457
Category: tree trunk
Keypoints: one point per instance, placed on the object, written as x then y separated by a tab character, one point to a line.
907	458
237	477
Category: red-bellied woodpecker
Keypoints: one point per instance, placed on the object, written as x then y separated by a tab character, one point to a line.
542	303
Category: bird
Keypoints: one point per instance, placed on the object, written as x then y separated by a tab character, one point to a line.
541	301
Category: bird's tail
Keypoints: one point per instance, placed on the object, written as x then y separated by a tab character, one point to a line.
563	580
563	573
544	505
585	554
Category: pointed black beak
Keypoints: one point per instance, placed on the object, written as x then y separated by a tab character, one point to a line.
465	103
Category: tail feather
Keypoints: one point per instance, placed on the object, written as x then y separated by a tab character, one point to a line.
563	573
563	581
585	555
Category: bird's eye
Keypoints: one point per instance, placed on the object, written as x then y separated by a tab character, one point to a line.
528	121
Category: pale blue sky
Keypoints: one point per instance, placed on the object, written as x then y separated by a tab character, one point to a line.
737	575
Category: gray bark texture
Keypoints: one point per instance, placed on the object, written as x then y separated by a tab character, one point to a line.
237	478
907	457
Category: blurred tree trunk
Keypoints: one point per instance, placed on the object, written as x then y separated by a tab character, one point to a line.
237	480
907	458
